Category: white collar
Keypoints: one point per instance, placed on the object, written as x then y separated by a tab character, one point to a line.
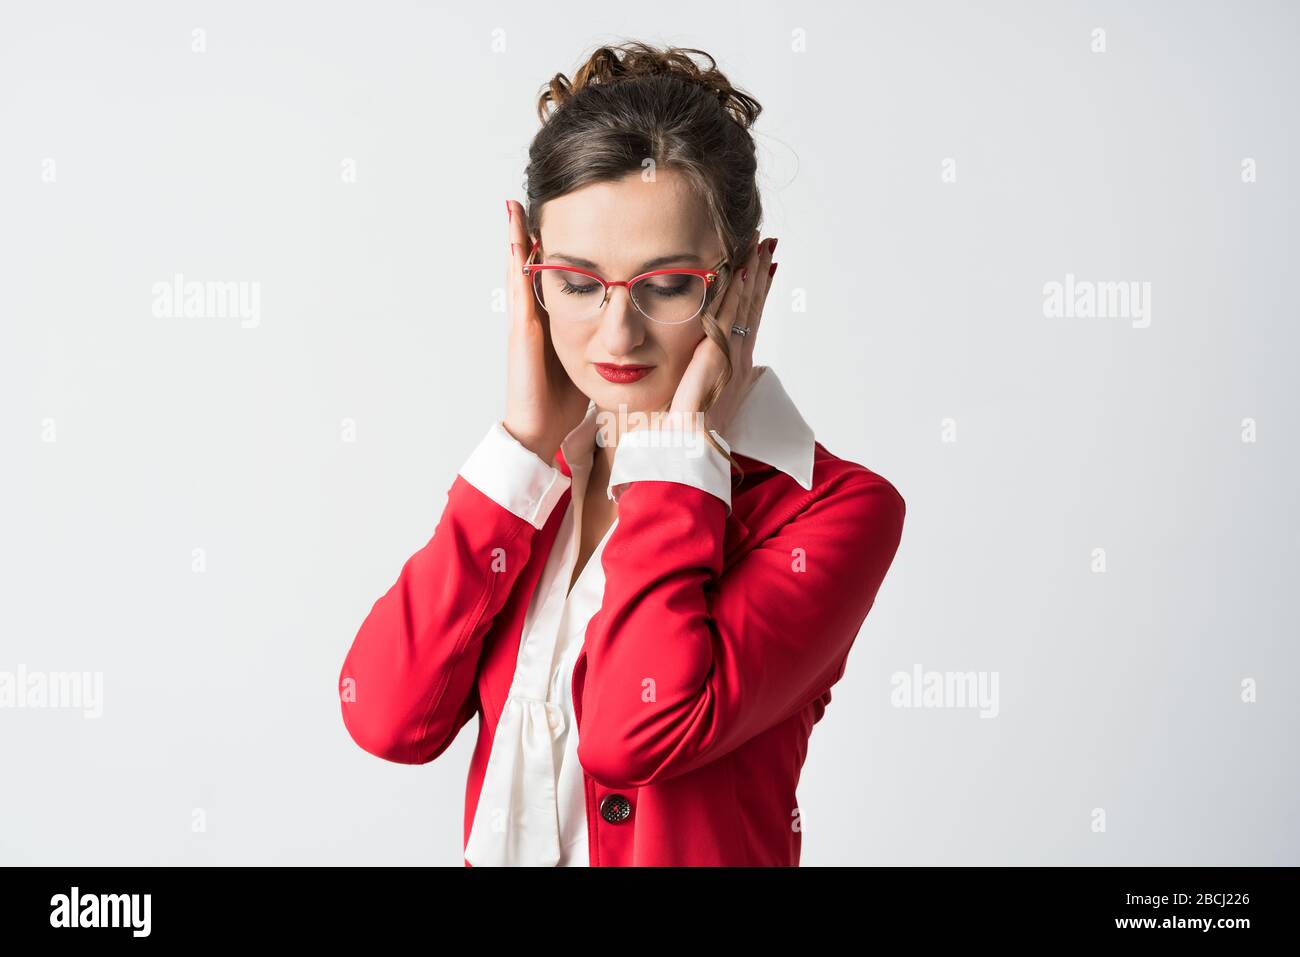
767	428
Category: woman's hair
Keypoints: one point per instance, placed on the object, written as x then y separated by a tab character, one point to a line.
630	103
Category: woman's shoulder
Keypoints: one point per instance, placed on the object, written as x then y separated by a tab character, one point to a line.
840	492
856	507
831	471
845	510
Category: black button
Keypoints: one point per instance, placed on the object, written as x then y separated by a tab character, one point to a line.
615	808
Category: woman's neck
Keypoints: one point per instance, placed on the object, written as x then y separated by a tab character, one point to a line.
612	423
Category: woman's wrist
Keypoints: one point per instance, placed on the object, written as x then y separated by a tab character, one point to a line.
544	447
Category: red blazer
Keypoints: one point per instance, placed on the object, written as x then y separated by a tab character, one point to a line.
742	621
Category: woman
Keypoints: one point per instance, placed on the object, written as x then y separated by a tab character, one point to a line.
649	574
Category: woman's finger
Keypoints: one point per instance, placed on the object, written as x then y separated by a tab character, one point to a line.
747	274
758	296
729	306
754	267
510	260
518	286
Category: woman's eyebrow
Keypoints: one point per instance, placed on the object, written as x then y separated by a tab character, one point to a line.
645	266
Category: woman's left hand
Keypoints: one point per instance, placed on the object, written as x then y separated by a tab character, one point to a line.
742	306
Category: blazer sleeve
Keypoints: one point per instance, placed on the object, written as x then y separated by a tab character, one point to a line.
408	682
685	663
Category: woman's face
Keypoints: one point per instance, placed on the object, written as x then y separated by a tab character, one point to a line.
619	228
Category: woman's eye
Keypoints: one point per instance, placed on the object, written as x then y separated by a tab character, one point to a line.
576	289
669	288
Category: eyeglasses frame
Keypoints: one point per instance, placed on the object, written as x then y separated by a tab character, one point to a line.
710	277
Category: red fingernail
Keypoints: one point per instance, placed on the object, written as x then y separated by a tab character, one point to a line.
509	212
772	248
744	271
772	270
514	248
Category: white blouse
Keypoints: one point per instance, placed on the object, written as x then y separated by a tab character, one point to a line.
532	808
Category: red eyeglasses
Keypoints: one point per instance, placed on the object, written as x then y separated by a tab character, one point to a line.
669	297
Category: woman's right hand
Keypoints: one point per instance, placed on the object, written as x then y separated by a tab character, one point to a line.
542	403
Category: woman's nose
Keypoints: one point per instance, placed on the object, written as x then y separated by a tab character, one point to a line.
622	327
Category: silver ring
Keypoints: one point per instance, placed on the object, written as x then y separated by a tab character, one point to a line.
739	331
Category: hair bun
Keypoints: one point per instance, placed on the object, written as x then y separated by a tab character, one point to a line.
612	64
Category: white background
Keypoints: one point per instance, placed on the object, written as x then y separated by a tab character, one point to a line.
1119	691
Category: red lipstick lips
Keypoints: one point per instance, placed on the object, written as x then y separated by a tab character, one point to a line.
622	373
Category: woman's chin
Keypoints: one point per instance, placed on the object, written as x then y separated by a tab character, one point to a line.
631	396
